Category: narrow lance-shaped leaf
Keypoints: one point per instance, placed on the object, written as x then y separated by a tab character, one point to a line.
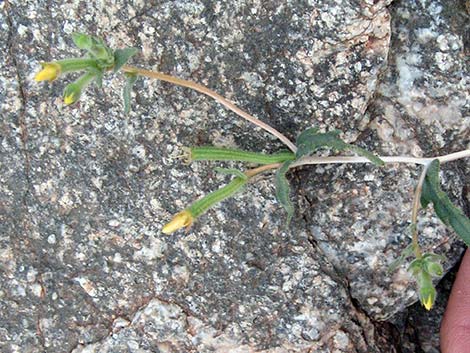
311	140
449	214
283	189
231	171
186	217
202	205
211	153
98	75
408	251
122	56
126	93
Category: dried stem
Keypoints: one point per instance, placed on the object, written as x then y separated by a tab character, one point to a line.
304	161
386	159
252	172
414	212
225	102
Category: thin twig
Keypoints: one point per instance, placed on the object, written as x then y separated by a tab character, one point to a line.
414	212
225	102
453	156
252	172
386	159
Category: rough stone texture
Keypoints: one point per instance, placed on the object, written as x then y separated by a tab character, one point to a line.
84	190
421	108
418	329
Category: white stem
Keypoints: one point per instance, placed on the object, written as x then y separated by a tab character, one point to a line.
415	209
222	100
454	156
386	159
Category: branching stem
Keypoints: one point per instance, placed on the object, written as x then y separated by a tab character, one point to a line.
387	159
414	212
252	172
304	161
350	160
225	102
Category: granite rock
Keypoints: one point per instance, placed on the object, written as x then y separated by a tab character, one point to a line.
420	108
85	190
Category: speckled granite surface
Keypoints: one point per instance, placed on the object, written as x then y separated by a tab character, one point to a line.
85	190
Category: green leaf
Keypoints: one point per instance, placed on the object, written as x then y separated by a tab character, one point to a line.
449	214
311	140
96	49
122	56
433	268
231	171
365	153
416	266
99	79
102	53
407	252
433	257
126	92
98	75
283	189
82	41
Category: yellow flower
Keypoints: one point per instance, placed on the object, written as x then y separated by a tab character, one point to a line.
180	220
49	72
427	302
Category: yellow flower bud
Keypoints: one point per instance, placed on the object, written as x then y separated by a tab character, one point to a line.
49	72
180	220
428	302
69	99
427	292
73	91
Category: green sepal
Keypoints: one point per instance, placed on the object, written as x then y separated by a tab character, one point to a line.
96	49
74	90
433	257
82	41
101	51
311	140
416	267
427	292
126	92
431	264
283	190
98	75
212	153
231	171
447	212
433	268
122	56
202	205
76	64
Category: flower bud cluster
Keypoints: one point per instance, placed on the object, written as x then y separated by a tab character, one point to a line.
424	269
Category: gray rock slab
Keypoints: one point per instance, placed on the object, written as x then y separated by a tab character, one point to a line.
421	108
85	190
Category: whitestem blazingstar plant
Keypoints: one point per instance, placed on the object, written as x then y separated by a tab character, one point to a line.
100	59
